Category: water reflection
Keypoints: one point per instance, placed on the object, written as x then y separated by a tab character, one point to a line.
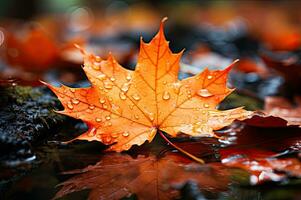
119	175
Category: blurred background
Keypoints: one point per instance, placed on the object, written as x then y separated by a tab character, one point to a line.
37	38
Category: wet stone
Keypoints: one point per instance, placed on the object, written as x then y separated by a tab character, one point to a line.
26	119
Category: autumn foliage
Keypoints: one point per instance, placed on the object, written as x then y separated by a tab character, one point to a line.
124	108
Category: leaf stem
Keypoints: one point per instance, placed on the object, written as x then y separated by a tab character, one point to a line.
180	149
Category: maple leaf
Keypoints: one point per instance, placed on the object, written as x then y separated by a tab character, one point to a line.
124	108
147	177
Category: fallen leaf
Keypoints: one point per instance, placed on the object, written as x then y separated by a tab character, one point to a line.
119	175
286	64
26	51
124	108
261	164
278	112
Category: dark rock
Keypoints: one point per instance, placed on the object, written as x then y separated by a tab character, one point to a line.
26	118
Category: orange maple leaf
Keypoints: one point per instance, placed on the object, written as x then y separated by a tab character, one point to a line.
124	108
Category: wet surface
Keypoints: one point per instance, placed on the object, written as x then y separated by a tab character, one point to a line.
38	179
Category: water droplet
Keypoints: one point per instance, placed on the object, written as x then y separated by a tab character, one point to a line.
114	135
165	95
136	116
72	90
209	77
164	82
126	146
105	106
108	85
112	79
125	134
99	136
204	93
136	97
109	123
110	99
101	76
151	116
92	132
206	105
102	101
97	119
97	59
122	96
125	87
177	87
75	101
96	66
107	139
128	77
91	107
108	117
70	106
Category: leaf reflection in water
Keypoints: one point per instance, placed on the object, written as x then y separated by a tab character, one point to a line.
119	175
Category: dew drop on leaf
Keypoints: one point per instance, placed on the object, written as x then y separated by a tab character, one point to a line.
107	139
125	87
97	119
108	85
96	66
204	93
75	101
125	134
108	117
97	59
206	105
177	87
209	77
122	96
151	116
165	95
91	107
101	76
70	106
136	97
128	77
114	135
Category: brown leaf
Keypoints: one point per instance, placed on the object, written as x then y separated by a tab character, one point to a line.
261	164
278	112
